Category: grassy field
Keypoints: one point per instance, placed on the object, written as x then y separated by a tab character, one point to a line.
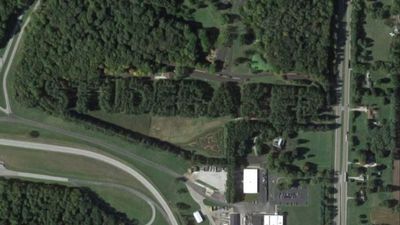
318	147
209	17
378	31
198	134
309	214
76	167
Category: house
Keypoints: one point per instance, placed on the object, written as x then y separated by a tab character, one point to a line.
278	142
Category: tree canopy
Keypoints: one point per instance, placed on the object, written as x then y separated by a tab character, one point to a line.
295	34
9	12
23	202
77	41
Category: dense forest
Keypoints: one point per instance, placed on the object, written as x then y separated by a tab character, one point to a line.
23	202
296	35
74	42
9	12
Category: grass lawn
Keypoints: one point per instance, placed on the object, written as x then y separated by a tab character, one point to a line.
125	202
208	16
319	147
76	167
22	132
258	63
64	165
378	31
309	214
369	211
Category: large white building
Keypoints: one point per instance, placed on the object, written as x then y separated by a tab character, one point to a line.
250	181
273	220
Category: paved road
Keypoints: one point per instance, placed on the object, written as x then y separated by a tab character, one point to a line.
100	157
341	134
79	182
126	152
7	109
127	189
11	173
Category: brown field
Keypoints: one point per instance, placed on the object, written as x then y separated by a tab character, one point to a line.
199	134
384	216
210	143
396	178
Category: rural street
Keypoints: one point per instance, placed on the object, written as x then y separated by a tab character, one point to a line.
341	134
99	157
10	59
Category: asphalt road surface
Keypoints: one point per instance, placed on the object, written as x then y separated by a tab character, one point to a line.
341	134
99	157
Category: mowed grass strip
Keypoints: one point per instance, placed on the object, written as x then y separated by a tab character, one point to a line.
128	203
76	167
64	165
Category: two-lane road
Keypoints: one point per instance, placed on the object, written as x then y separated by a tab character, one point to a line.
100	157
342	112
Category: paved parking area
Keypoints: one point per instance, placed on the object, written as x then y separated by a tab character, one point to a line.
292	196
212	178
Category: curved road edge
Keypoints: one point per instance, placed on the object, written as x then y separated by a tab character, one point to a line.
4	172
99	157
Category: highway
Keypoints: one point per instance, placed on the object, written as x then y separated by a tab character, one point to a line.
99	157
342	112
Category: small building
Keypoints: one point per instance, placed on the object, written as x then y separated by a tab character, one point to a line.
278	142
250	181
273	219
234	219
198	217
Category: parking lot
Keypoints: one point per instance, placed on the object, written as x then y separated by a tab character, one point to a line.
292	196
212	176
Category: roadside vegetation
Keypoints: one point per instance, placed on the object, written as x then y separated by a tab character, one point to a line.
24	202
375	71
79	169
10	10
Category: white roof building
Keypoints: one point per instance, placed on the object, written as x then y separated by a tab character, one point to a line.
273	220
250	181
198	217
